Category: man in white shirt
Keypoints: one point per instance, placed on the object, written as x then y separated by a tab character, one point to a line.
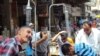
89	36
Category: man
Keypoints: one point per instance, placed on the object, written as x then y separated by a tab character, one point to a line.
42	47
61	38
80	49
40	42
12	46
89	36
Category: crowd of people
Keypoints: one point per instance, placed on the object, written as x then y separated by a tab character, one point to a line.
85	43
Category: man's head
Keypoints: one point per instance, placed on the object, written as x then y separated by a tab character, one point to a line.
67	49
64	36
31	25
24	33
87	27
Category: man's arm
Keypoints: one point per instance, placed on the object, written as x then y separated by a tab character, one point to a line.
55	37
38	42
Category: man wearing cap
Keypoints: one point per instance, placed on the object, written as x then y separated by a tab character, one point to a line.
61	38
89	36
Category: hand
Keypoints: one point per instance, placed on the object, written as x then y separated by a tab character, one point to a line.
44	35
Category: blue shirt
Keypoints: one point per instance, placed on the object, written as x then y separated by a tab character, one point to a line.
84	50
28	50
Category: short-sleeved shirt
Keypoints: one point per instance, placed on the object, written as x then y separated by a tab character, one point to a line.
10	47
82	49
42	48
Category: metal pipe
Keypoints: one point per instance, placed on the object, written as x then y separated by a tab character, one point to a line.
35	17
35	22
66	17
52	2
67	23
28	3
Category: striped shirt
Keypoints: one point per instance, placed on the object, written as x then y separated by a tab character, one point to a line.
84	50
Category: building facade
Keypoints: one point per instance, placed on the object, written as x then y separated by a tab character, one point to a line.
12	12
